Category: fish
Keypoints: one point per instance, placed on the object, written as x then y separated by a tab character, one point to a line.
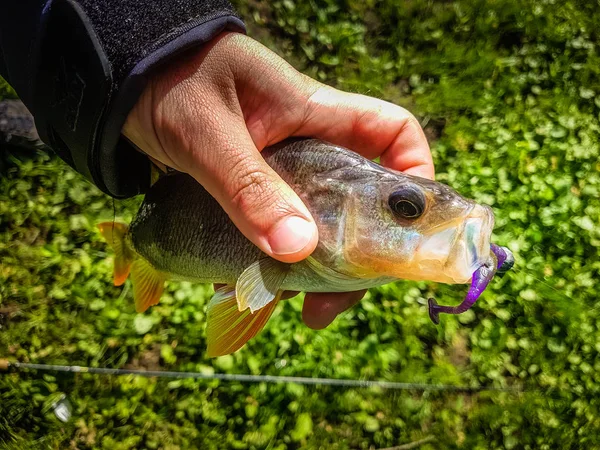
376	225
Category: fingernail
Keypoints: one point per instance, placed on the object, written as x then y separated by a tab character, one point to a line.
291	235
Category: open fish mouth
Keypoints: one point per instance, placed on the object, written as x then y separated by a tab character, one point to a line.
453	251
500	261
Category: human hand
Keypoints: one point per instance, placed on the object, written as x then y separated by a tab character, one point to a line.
210	113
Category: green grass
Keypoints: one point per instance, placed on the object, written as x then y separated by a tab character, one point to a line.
510	92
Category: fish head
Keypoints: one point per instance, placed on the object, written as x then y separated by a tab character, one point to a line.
412	228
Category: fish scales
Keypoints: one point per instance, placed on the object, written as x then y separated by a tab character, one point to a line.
183	231
376	225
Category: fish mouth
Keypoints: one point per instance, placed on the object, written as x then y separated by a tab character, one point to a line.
456	249
470	256
500	261
471	250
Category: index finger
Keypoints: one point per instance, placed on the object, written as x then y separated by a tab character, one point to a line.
369	126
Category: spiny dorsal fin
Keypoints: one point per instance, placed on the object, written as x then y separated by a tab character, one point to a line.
258	285
228	328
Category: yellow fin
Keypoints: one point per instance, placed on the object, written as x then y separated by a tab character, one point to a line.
228	328
258	285
115	233
148	284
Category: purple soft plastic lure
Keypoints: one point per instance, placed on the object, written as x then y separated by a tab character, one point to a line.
500	261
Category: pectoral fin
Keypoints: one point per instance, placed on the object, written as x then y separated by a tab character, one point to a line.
259	284
148	284
228	328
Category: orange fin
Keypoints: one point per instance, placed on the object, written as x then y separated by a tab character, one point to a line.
115	233
148	284
228	328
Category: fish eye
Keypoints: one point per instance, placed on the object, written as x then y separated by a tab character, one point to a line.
407	202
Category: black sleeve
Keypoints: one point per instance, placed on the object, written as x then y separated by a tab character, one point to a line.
80	66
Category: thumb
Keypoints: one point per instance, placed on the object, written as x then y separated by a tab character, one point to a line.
263	206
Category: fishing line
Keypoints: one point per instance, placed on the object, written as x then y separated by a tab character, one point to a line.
246	378
530	272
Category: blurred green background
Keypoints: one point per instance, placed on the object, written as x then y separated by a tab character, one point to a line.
509	94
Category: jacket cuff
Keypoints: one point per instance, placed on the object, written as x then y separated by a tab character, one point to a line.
94	59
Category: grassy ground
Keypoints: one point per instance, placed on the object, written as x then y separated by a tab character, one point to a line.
510	94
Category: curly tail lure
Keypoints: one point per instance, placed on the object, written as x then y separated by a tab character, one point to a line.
501	260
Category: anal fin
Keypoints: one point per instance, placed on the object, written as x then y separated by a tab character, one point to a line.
148	284
228	328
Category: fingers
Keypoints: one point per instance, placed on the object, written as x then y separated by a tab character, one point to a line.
320	309
199	128
278	102
265	209
369	126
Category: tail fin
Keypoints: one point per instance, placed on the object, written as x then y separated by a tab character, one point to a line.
115	233
148	283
